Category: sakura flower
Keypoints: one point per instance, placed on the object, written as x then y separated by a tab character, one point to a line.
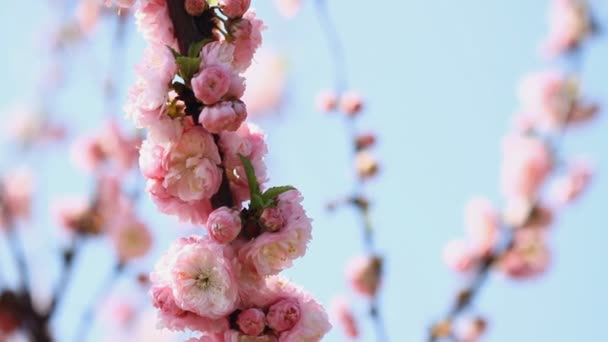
247	40
529	255
272	252
131	238
365	274
152	18
210	84
272	219
223	116
570	23
201	276
526	164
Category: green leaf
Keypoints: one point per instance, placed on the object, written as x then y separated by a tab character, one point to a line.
175	53
195	48
271	194
257	202
188	66
254	186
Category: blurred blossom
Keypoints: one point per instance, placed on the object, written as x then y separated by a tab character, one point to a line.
459	256
16	188
570	23
343	315
131	237
351	103
87	15
288	8
366	165
570	186
28	126
529	256
365	274
266	82
482	222
326	101
119	311
526	163
72	213
472	329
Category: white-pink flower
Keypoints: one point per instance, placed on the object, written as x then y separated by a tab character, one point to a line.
569	187
569	24
272	252
529	256
248	38
152	18
481	222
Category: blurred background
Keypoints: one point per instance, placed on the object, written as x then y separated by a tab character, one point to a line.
439	81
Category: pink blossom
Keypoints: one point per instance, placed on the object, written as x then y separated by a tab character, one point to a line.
482	222
210	84
28	125
119	311
153	22
223	116
203	278
570	23
472	330
569	188
195	212
224	225
217	53
234	8
87	15
366	165
343	314
272	252
251	321
351	103
365	274
529	255
266	82
172	317
459	256
245	45
131	237
248	141
526	164
551	95
288	8
283	315
69	211
16	189
326	101
87	154
272	219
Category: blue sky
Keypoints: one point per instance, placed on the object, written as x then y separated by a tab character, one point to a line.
439	78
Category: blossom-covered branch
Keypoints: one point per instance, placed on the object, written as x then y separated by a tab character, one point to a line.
515	242
205	164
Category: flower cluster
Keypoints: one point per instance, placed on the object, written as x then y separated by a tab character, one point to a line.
516	241
205	165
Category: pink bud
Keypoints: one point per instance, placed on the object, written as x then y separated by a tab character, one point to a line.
224	224
272	219
343	314
223	116
251	321
195	7
234	8
365	140
351	103
364	274
283	315
366	165
211	84
326	101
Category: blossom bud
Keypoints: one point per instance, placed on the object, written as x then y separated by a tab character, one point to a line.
223	116
351	103
211	84
364	141
366	165
326	101
251	321
283	315
234	8
224	225
364	274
